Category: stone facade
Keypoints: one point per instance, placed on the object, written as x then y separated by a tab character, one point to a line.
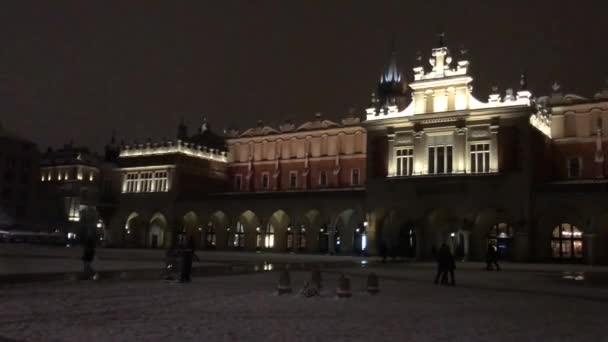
19	160
430	164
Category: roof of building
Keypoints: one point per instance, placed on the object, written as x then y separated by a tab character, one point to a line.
318	123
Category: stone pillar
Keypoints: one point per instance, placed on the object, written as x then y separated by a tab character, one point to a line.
589	248
494	148
420	154
331	231
392	170
521	247
459	160
372	239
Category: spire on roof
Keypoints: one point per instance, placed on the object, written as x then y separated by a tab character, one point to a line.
442	40
523	82
391	73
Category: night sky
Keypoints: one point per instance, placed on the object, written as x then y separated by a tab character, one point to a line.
80	69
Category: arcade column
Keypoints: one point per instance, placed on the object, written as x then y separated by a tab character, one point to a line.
589	248
521	246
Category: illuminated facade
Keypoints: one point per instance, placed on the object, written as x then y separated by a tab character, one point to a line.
429	164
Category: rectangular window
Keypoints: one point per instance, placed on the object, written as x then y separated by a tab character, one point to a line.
323	179
354	177
152	181
404	158
293	179
237	182
574	167
265	180
440	159
480	158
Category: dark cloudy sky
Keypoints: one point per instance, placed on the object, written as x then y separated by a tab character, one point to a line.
78	69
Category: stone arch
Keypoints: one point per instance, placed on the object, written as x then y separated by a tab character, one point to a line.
135	230
216	232
249	222
484	223
276	230
159	235
192	227
547	224
345	224
312	222
445	225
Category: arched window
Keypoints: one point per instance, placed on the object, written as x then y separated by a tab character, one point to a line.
269	238
239	236
567	242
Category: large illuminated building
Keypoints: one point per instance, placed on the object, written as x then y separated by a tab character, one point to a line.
429	164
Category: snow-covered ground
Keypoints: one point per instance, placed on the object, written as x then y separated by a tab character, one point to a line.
485	306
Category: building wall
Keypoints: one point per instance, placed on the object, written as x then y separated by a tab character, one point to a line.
19	162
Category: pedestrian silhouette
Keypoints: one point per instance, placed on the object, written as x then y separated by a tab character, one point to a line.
492	258
445	265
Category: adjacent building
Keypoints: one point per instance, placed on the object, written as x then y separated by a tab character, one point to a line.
19	159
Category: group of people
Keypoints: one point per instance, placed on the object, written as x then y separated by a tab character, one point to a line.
446	264
179	258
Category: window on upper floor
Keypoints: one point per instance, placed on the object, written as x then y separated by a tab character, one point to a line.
323	178
404	159
355	178
440	159
237	182
293	179
574	167
265	180
480	158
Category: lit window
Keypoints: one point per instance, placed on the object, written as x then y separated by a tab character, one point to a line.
574	167
293	179
404	158
239	236
480	158
440	159
567	242
354	177
323	178
269	237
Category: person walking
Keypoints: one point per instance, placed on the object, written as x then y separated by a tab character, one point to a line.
88	254
492	258
442	265
187	252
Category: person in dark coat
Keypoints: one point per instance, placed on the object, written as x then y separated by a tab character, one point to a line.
187	254
492	258
445	265
88	254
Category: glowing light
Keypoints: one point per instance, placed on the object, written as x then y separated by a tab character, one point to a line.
364	242
364	223
452	234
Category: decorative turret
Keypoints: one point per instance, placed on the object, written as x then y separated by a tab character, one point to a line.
182	130
392	88
523	92
112	150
